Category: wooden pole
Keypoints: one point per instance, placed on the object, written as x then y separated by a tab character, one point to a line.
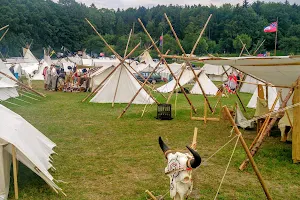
235	91
194	142
161	55
142	86
4	27
265	84
287	113
276	35
146	50
180	75
128	42
151	195
259	47
242	50
259	141
296	129
121	63
23	85
244	47
4	34
117	87
254	166
184	53
176	97
15	172
205	111
267	96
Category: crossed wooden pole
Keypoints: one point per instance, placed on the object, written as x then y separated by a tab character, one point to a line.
192	52
163	59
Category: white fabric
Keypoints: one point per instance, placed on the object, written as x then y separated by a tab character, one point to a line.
33	148
28	56
29	68
98	76
186	77
216	72
278	70
207	85
87	62
272	96
5	163
126	88
39	74
241	120
105	62
147	59
250	88
165	73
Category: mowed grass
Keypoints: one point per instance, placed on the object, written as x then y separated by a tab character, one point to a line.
102	157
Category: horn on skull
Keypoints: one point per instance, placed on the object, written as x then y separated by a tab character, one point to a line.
163	146
196	161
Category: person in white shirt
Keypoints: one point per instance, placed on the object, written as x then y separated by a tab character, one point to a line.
54	76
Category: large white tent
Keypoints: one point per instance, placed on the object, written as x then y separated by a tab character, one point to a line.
120	87
187	76
216	72
98	76
7	86
33	149
247	87
208	86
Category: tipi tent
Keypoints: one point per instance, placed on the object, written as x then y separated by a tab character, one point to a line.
186	77
120	87
272	93
33	149
147	59
249	88
39	74
28	56
216	72
98	76
207	85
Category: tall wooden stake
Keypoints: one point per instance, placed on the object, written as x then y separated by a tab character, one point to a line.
259	47
192	52
254	166
161	55
4	34
4	27
127	43
15	172
276	35
296	126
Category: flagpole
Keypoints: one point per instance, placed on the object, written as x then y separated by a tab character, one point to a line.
162	46
276	35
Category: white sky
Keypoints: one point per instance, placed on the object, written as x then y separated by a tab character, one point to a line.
150	3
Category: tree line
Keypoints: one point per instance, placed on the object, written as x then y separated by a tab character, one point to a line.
46	23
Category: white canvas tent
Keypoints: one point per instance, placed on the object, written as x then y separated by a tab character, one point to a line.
120	87
165	73
39	74
7	86
33	149
272	92
207	85
28	56
98	76
186	77
147	59
216	72
250	88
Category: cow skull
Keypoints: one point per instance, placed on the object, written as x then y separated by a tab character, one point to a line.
179	169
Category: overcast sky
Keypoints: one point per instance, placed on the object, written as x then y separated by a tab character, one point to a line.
149	3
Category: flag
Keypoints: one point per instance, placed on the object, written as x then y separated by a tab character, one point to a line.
161	39
52	52
271	28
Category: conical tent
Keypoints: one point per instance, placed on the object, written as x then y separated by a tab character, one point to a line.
28	56
147	59
98	76
250	88
39	74
216	72
272	93
120	87
33	149
186	77
207	85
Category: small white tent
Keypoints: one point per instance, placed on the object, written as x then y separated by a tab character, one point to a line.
207	85
272	93
186	77
33	149
120	87
147	59
28	56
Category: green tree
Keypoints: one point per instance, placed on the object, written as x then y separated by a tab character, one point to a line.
237	42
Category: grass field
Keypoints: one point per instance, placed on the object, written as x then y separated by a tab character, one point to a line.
102	157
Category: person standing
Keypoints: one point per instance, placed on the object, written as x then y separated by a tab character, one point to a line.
53	77
45	77
48	77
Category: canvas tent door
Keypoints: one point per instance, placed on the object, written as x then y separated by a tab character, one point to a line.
5	164
207	85
99	76
120	87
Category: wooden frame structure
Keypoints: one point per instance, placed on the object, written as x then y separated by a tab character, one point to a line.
205	118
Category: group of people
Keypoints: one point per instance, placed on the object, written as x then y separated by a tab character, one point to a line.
74	80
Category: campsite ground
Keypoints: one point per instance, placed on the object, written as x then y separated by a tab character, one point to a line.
102	157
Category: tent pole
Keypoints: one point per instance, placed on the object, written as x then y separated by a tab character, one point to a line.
14	158
128	42
193	50
23	85
4	27
259	141
259	46
172	92
161	55
244	47
93	92
194	142
254	166
4	34
117	87
296	130
242	50
235	91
